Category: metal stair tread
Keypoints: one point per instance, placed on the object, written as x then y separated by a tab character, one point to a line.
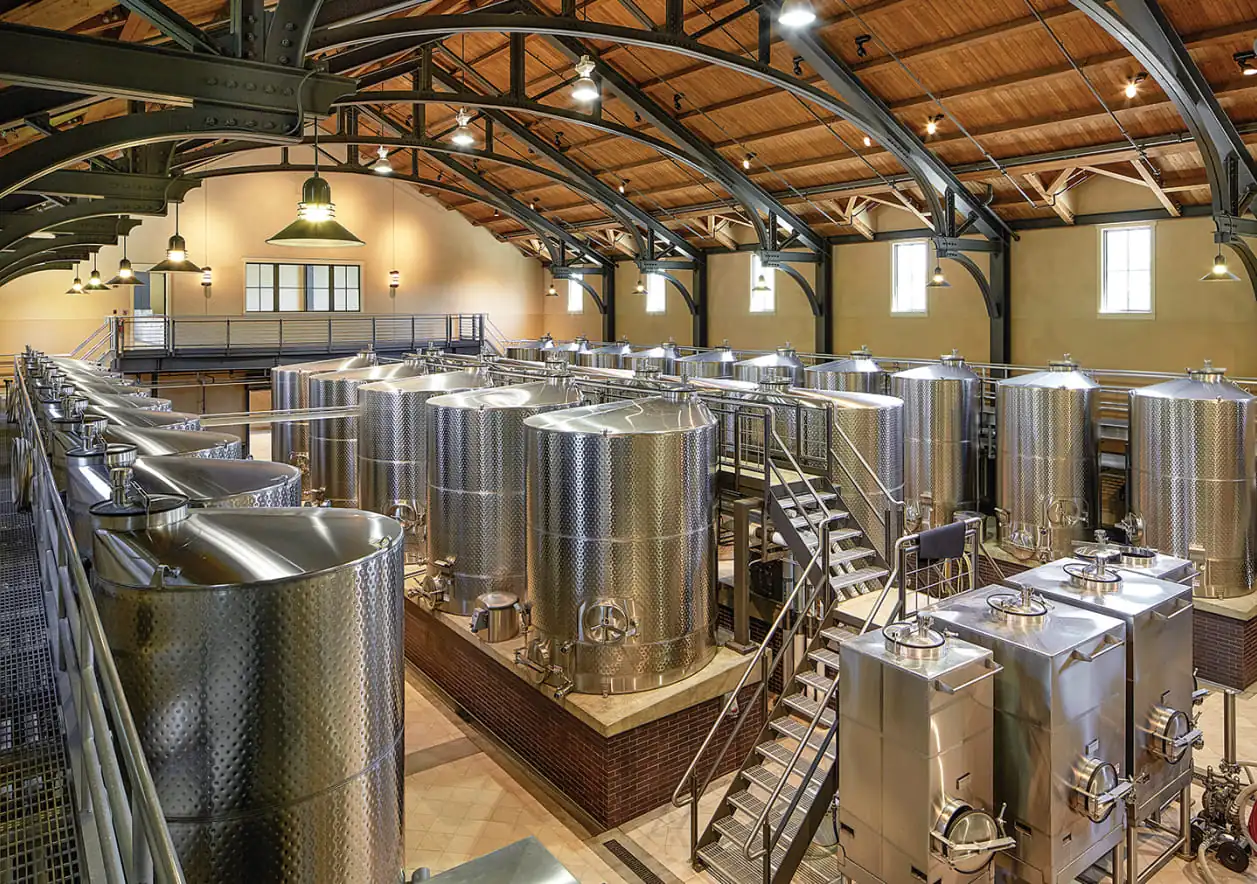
837	634
793	728
810	540
806	707
736	829
825	656
806	498
845	556
727	864
815	680
861	575
806	521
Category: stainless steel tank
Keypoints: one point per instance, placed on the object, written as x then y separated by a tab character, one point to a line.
621	515
138	417
717	363
189	443
1059	750
220	483
476	461
858	372
607	356
124	400
290	388
529	351
1048	490
334	441
1192	476
1159	672
87	470
915	738
942	408
781	365
261	655
393	441
662	358
798	422
570	351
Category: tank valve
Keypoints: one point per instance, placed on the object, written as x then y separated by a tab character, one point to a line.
438	587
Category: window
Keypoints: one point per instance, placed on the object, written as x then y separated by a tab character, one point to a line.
575	294
656	294
295	288
1126	284
910	262
763	298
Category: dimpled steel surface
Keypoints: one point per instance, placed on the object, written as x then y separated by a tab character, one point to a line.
334	443
942	405
857	373
265	679
290	389
138	417
662	359
393	438
782	365
116	400
1191	477
529	351
220	483
188	443
717	363
1047	460
476	460
621	531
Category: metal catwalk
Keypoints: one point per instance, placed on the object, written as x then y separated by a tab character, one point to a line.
39	837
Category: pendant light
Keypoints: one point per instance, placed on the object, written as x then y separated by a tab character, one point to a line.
176	254
394	276
316	226
761	286
640	288
463	136
76	287
796	14
585	89
552	292
382	166
937	279
126	276
1219	272
94	283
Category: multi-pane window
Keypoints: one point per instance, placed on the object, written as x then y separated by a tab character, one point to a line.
575	294
656	294
302	287
1126	282
763	286
909	269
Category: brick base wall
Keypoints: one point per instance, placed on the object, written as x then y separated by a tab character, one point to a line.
1225	649
613	779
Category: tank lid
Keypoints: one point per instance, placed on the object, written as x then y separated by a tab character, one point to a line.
448	381
1066	363
723	353
324	365
1206	382
1207	373
497	600
1022	604
555	392
782	356
368	373
774	385
202	480
952	358
918	640
627	417
620	348
162	440
140	417
139	513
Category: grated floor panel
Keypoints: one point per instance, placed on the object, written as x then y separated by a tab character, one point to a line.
39	838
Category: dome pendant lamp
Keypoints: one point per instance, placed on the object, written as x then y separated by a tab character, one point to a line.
316	226
76	287
126	276
1219	272
94	283
176	254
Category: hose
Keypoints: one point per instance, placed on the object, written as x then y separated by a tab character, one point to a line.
1202	862
1249	793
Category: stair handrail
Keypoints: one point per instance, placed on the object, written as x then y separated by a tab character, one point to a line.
770	432
679	797
884	514
82	345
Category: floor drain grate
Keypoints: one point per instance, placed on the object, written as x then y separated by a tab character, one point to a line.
635	865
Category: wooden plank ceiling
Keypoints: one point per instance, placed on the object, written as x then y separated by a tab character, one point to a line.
1014	82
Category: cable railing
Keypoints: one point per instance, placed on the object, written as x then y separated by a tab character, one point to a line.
119	796
92	344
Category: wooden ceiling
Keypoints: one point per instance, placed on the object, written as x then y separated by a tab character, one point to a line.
1030	92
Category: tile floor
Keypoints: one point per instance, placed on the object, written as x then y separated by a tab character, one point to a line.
467	796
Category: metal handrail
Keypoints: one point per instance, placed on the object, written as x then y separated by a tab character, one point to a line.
89	341
132	828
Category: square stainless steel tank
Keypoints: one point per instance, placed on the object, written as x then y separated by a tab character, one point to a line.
1159	683
1059	725
915	742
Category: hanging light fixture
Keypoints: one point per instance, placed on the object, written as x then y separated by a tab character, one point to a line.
382	166
796	14
207	277
94	283
1132	85
640	288
585	89
937	279
176	254
931	124
1219	272
552	292
1247	63
316	226
868	142
76	287
746	161
463	136
394	279
126	276
761	286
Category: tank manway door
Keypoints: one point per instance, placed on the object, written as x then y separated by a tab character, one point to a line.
968	837
1096	789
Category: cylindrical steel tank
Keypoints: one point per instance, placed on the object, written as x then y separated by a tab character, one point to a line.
781	365
529	351
393	440
858	373
570	351
1191	477
124	400
334	442
717	363
621	541
476	460
138	417
290	441
220	483
942	407
189	443
1047	460
87	484
663	358
608	356
260	652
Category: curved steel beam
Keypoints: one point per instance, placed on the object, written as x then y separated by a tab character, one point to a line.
37	158
570	275
14	228
288	33
993	309
1247	258
53	255
41	246
790	271
51	265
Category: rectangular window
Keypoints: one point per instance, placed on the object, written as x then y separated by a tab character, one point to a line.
763	286
656	293
909	269
575	294
295	288
1126	283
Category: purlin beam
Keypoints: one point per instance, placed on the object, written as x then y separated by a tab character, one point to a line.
173	25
